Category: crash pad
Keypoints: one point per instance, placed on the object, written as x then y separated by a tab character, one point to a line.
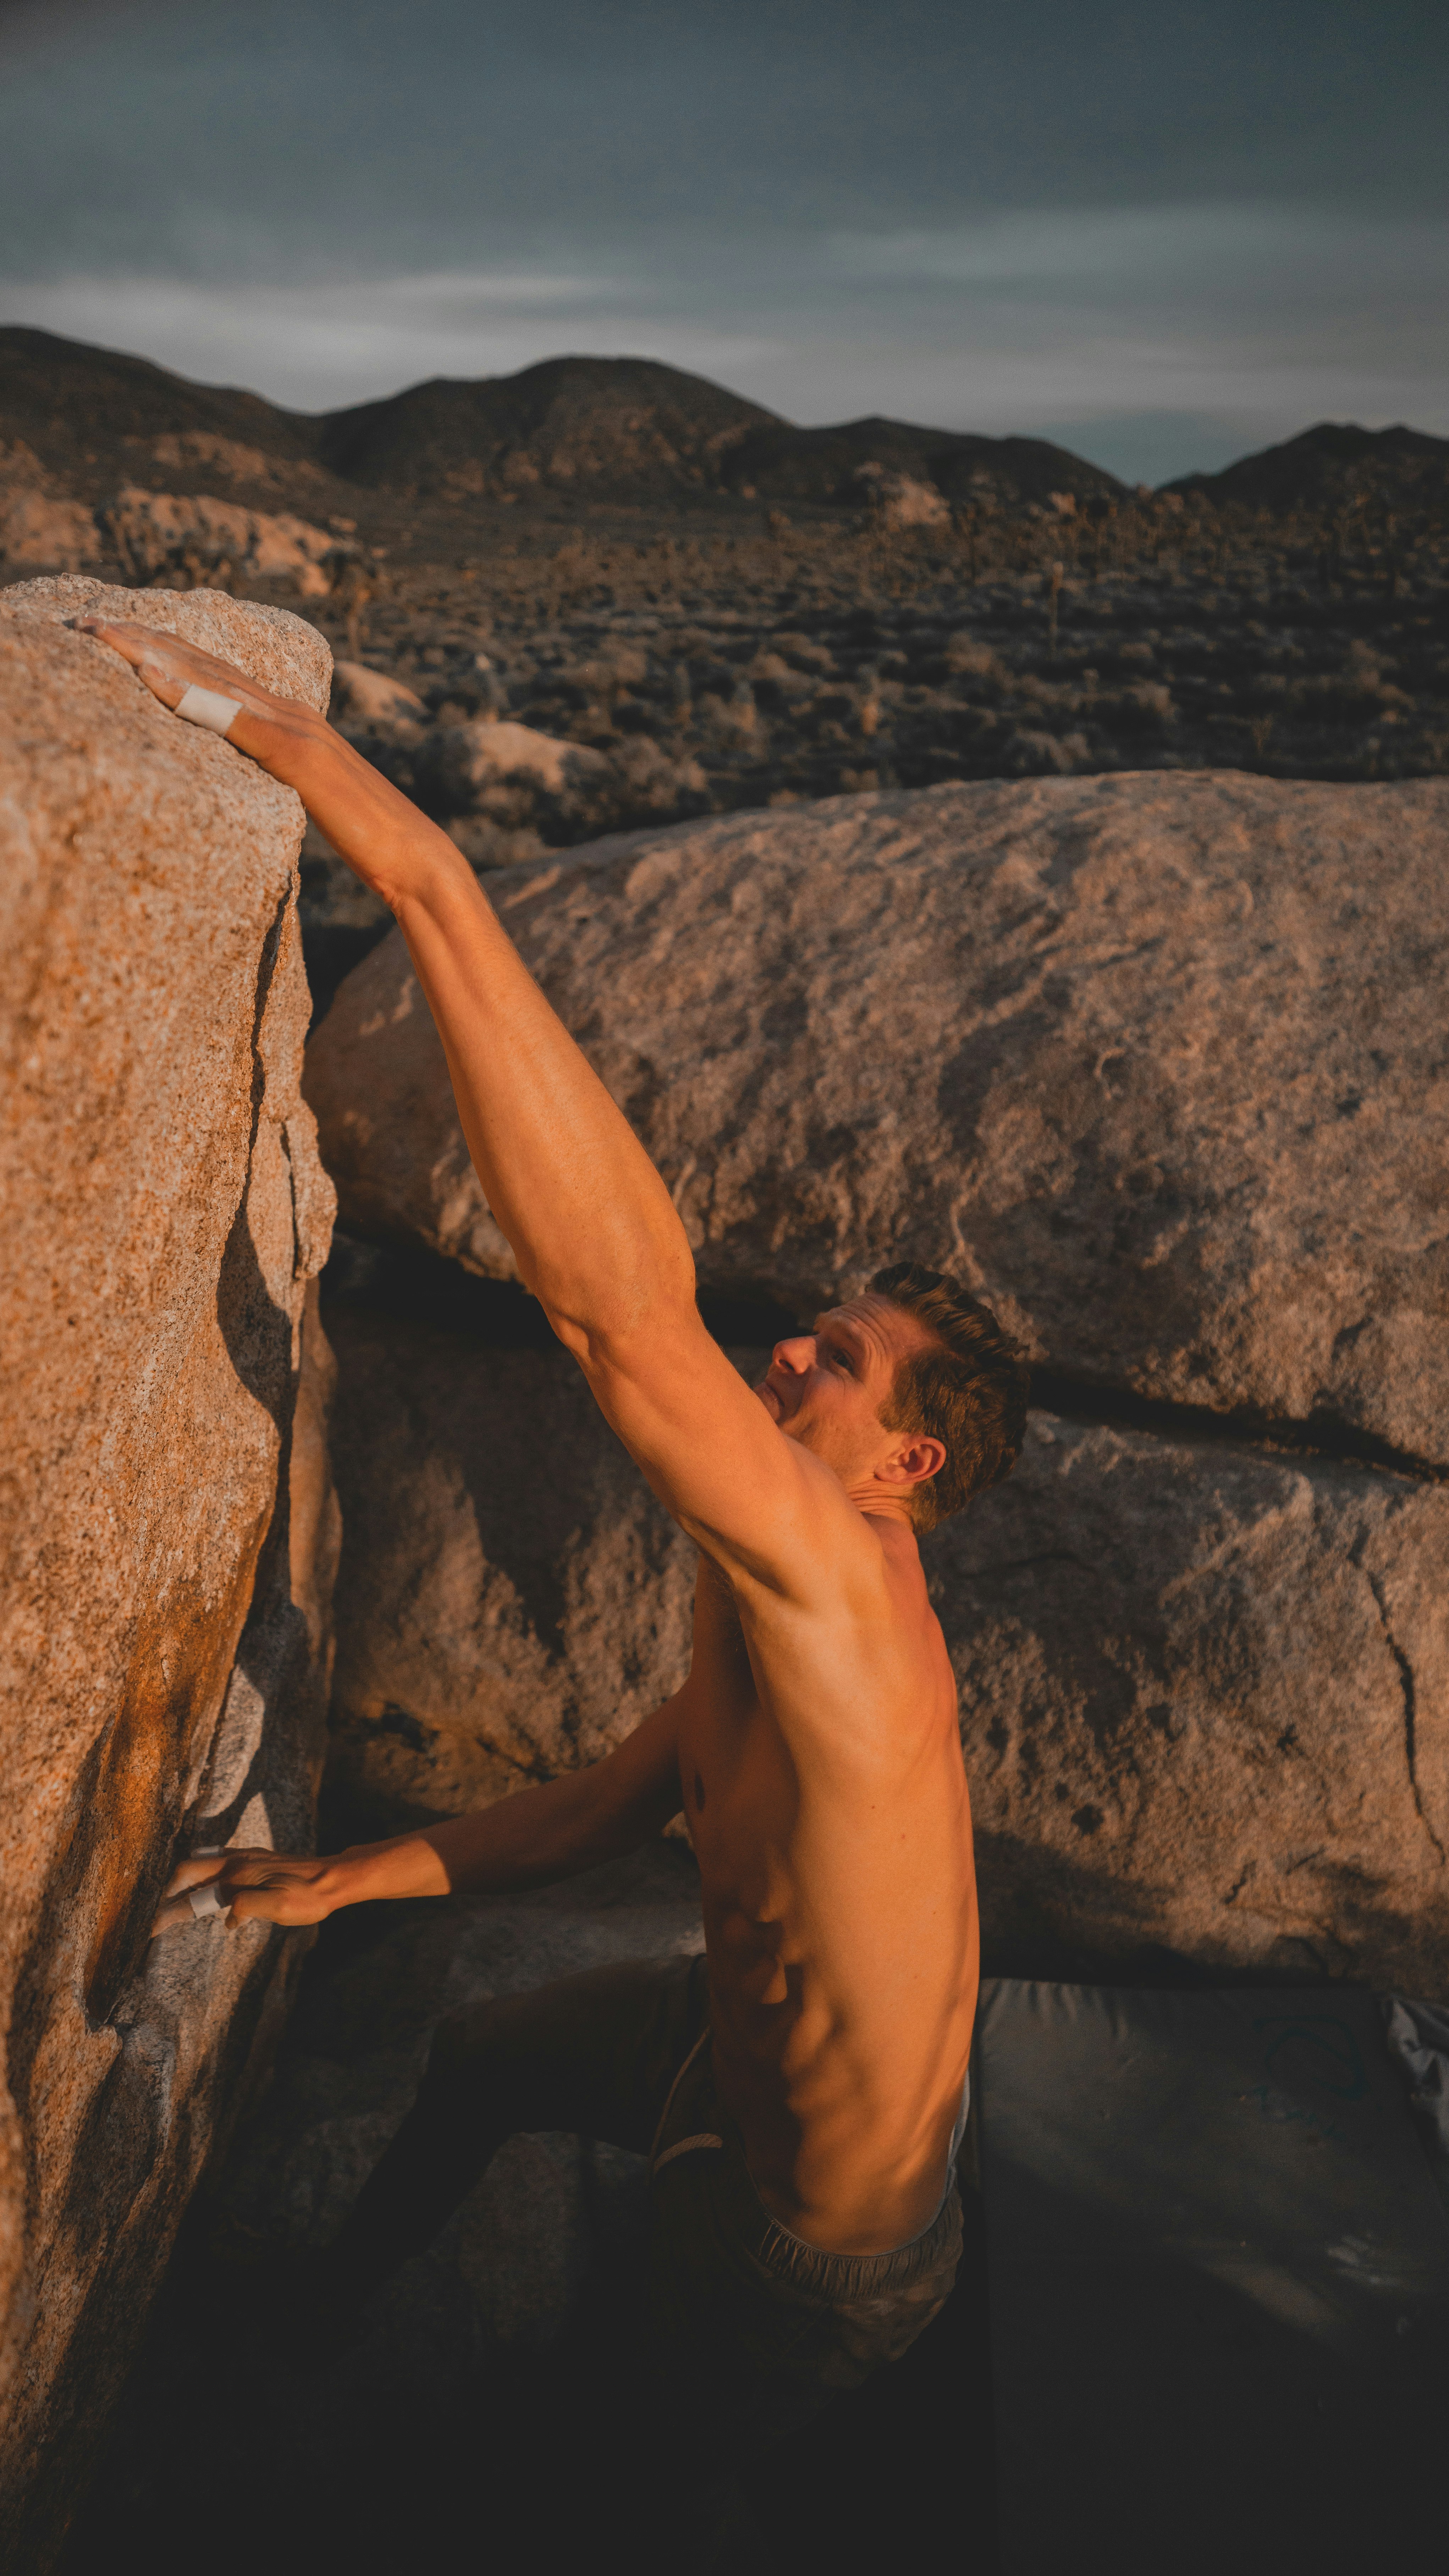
1217	2269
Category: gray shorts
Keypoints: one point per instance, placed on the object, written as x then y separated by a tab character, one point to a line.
756	2328
759	2326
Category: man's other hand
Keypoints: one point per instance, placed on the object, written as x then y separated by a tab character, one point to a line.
252	1886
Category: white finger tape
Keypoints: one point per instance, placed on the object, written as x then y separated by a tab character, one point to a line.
207	707
205	1902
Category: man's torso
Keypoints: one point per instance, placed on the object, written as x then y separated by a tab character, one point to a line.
839	1900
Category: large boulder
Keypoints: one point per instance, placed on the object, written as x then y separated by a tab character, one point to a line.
465	763
37	529
365	701
512	1599
169	1523
159	532
1205	1705
1204	1688
1155	1062
896	501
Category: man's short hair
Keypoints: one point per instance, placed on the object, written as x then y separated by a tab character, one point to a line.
969	1391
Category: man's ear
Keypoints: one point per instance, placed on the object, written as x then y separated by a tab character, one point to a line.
915	1462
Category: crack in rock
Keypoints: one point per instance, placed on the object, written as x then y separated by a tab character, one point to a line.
1406	1685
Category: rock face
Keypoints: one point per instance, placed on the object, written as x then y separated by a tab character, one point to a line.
157	532
169	1525
513	1599
468	759
1204	1690
1205	1703
1155	1062
520	2319
899	501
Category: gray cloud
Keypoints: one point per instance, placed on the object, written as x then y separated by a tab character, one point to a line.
1168	231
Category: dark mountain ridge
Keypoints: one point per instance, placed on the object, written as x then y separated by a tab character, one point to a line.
620	424
821	465
65	399
611	430
623	430
1331	465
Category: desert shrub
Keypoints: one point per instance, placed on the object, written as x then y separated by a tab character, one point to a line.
1032	754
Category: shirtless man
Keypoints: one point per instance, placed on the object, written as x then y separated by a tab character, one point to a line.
801	2089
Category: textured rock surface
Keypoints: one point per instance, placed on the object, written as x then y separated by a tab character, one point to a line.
513	1600
34	529
1156	1061
153	531
1205	1703
466	760
1204	1690
168	1521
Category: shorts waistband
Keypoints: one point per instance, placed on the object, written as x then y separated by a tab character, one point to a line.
695	2114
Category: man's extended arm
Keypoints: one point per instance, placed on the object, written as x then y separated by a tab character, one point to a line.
592	1226
531	1840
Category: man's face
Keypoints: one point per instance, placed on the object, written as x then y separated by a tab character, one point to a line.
826	1388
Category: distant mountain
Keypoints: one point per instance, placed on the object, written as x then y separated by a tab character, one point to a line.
629	427
1331	466
70	402
622	426
820	465
590	429
586	429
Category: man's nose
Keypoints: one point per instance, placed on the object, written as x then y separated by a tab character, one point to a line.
797	1355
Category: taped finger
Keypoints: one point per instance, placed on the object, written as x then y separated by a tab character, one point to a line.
208	707
205	1902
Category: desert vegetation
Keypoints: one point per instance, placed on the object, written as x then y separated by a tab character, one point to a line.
604	595
715	667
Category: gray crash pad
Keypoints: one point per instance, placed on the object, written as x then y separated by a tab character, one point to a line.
1218	2274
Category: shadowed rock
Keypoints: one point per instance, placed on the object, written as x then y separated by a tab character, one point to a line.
362	698
1154	1062
167	1513
514	1600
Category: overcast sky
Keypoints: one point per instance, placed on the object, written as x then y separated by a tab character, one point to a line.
1163	234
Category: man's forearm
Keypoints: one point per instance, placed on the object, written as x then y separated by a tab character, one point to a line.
594	1231
542	1835
530	1840
591	1224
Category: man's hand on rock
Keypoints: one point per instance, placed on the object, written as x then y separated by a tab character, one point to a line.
169	666
247	1887
397	852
